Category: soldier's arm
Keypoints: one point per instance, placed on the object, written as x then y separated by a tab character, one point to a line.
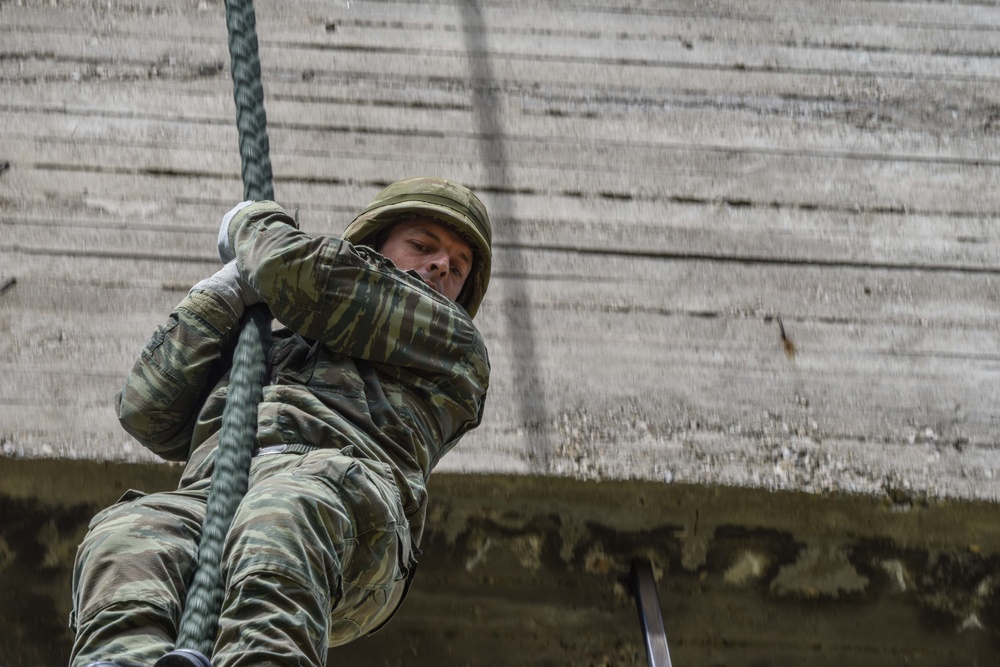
358	304
350	298
159	401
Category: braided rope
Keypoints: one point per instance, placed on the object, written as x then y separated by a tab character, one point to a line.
200	621
249	95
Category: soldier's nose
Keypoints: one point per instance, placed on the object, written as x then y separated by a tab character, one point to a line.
439	266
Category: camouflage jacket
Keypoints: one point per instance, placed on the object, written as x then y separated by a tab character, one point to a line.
369	360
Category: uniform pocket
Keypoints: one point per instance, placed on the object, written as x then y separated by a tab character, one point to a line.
381	541
396	596
364	610
378	561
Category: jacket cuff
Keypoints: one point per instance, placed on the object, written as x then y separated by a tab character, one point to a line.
213	309
247	215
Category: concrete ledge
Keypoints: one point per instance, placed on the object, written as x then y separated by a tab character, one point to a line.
528	570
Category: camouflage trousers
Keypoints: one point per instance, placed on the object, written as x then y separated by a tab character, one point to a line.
319	553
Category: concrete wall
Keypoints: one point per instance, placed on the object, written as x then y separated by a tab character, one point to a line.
529	571
667	180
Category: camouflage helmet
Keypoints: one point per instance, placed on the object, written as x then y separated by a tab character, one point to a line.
445	202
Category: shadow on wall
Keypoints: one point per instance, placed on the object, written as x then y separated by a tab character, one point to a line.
487	103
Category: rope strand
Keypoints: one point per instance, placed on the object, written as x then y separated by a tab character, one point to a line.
200	620
249	95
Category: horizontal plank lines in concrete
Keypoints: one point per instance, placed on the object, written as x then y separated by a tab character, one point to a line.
740	179
587	224
875	26
145	52
14	377
686	232
307	148
598	87
125	132
899	123
673	179
63	355
535	134
877	312
928	259
887	312
713	57
51	290
298	61
970	15
583	31
968	12
711	289
709	55
208	101
332	206
191	240
165	214
34	381
867	127
857	344
854	26
652	230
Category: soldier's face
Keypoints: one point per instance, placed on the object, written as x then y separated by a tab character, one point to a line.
439	255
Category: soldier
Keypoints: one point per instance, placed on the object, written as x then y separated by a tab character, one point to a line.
374	375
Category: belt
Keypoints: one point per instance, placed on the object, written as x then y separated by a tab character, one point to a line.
282	449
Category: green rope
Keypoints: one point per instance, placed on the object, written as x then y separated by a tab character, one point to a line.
200	621
249	95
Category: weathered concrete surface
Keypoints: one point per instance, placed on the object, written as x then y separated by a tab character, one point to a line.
666	179
527	571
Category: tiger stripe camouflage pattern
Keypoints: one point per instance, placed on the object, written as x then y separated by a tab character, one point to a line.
373	377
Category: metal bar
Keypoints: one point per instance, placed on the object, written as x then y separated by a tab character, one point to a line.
647	601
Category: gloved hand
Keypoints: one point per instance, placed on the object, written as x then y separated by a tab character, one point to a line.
228	284
226	251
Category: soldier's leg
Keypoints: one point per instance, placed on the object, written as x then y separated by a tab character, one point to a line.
131	575
310	528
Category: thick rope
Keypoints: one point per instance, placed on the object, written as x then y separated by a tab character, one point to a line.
200	621
249	95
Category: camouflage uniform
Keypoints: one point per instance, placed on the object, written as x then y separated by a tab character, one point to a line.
372	378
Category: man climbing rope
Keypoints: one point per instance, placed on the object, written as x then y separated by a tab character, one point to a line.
375	373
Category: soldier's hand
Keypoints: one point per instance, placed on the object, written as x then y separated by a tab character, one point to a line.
228	284
226	251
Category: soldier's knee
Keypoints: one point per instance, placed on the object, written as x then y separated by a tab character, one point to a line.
136	533
133	555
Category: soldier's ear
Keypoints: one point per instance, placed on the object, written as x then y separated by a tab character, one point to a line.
470	282
381	238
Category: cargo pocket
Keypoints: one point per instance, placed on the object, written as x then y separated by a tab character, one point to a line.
379	561
400	589
365	611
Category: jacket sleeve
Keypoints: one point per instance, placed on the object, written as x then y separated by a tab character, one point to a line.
360	305
159	401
